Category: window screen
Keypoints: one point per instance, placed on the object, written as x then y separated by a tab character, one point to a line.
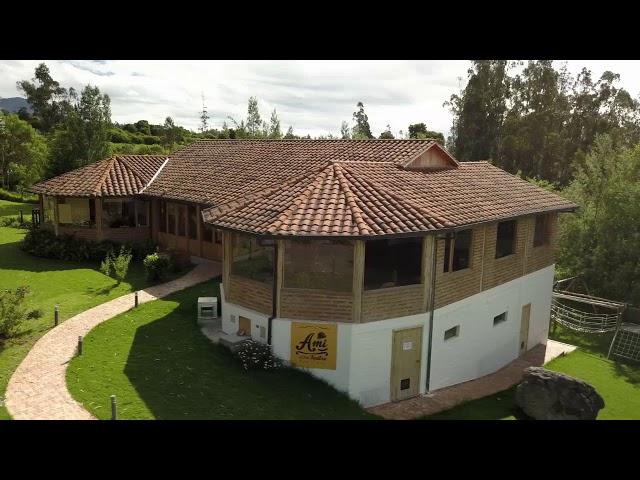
392	262
318	264
457	251
506	236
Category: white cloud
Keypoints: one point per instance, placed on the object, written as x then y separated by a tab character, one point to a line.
313	96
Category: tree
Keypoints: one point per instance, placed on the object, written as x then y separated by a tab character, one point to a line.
83	137
602	240
254	121
387	133
361	129
48	99
345	131
204	118
23	152
289	135
479	111
419	130
274	126
170	133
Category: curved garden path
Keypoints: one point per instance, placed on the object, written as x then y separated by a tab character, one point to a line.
38	389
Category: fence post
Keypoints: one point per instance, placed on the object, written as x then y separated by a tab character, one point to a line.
136	299
55	316
80	345
114	408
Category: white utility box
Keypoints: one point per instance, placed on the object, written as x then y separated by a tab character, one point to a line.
207	308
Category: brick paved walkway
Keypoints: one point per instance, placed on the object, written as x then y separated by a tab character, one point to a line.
38	390
449	397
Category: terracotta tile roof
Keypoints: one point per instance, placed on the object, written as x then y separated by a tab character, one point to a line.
116	176
214	172
331	201
362	199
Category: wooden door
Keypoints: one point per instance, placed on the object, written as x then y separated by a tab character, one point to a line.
524	327
406	358
244	327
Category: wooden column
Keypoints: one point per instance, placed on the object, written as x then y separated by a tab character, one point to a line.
358	279
279	275
199	229
55	216
226	258
428	272
99	234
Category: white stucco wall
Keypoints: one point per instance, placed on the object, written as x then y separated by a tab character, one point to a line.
363	362
482	348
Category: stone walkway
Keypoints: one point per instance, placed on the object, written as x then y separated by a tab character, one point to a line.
38	389
449	397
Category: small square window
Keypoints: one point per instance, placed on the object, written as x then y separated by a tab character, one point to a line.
452	332
500	318
405	383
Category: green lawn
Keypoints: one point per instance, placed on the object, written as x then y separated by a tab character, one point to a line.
71	285
619	385
12	209
160	366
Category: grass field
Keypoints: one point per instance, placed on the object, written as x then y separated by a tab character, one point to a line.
71	285
619	385
160	366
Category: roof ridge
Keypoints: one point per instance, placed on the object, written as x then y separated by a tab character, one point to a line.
109	165
356	211
241	203
436	216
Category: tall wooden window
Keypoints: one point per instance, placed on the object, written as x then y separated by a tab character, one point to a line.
171	218
182	225
541	235
193	221
457	251
506	238
392	262
162	216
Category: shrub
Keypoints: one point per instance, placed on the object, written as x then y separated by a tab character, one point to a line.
116	266
156	266
17	196
107	264
43	243
121	264
14	222
255	355
13	311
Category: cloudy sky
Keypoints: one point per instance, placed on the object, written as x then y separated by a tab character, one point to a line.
312	96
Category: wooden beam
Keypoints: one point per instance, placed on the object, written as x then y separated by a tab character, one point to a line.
55	215
98	205
226	259
199	229
279	276
358	280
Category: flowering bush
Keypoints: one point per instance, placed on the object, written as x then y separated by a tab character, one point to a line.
257	356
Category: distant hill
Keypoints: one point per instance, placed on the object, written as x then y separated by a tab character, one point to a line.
14	104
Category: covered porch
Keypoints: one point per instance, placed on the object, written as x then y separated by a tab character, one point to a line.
119	219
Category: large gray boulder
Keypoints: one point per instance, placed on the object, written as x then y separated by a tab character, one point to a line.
547	395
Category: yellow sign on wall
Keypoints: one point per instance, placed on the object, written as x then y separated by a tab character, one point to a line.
314	345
